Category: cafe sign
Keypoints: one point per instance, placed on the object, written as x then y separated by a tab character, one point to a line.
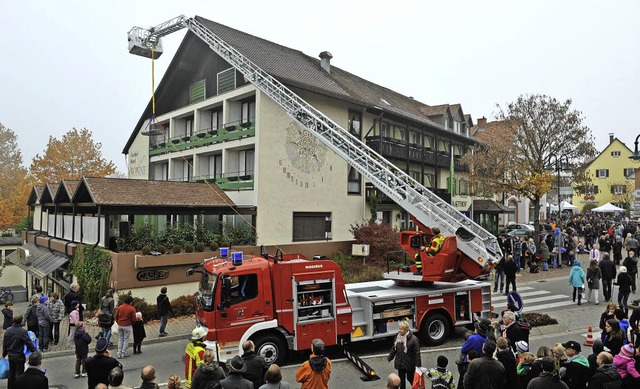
152	274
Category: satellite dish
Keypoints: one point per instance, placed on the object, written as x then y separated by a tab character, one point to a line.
515	299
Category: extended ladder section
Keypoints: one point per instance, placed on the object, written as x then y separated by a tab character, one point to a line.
474	241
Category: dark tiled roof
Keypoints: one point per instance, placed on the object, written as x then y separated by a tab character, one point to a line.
296	69
49	192
126	192
434	110
66	190
35	195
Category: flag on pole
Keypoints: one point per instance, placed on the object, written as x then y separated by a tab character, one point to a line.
452	179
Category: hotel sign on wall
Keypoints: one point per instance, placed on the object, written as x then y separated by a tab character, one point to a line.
152	274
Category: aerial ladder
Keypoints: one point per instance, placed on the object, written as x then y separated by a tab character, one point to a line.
473	241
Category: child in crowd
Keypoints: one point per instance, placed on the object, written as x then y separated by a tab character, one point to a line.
74	319
81	341
440	377
56	311
174	382
31	316
525	364
522	347
7	312
138	333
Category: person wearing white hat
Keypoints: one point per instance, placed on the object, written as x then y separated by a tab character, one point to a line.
194	353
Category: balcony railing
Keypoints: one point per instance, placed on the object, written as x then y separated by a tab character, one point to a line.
226	132
226	181
396	149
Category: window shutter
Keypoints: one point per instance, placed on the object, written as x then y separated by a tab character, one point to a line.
607	172
197	92
226	80
597	173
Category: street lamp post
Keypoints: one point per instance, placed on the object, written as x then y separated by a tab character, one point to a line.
558	166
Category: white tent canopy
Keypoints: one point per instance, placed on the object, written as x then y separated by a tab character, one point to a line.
608	207
567	206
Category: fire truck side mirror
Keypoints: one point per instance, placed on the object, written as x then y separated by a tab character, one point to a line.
226	292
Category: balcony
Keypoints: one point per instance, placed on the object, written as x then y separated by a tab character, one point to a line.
228	181
227	132
398	150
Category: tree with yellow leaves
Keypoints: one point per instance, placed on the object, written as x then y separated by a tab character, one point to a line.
14	186
70	158
514	153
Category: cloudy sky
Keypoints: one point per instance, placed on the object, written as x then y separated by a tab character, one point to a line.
65	63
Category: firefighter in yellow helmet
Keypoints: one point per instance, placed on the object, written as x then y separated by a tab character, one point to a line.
431	250
194	354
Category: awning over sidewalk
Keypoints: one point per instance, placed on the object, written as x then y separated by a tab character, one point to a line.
40	261
490	206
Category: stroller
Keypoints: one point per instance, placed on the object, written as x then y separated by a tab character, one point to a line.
533	262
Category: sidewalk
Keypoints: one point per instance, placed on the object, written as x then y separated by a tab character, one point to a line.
177	328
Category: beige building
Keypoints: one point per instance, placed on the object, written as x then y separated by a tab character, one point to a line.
218	128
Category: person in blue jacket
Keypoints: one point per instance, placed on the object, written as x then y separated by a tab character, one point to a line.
576	279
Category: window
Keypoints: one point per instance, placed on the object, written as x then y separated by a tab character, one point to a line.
588	189
602	173
215	166
456	127
628	171
354	185
311	226
246	160
355	120
384	130
189	127
428	142
248	111
215	119
464	187
401	133
618	189
416	139
415	175
615	153
430	180
243	288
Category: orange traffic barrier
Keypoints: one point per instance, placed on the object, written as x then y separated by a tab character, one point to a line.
589	341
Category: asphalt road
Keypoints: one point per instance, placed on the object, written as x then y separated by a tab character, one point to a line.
167	357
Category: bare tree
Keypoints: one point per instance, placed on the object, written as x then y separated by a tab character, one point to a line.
514	153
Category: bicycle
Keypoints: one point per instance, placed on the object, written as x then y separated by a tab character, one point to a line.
5	295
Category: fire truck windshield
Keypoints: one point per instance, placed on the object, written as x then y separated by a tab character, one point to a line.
206	289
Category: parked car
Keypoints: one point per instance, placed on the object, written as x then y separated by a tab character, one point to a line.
521	232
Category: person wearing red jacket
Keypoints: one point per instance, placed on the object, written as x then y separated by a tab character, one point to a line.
125	316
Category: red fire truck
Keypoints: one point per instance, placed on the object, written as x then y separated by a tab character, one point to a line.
282	303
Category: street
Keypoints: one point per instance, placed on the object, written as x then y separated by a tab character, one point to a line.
552	296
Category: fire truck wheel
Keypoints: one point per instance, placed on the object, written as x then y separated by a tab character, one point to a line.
435	329
271	348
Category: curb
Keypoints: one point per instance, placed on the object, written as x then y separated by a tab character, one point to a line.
71	351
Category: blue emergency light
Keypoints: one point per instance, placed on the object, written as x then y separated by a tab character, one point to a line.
224	252
236	258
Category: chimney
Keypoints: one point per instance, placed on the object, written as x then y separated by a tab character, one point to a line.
610	137
325	60
482	122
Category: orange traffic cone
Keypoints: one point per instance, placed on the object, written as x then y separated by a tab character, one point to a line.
589	341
